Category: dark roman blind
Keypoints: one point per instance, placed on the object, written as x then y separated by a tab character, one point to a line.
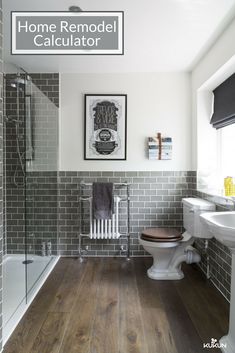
224	104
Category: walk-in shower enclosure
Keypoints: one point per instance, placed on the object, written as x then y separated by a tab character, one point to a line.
30	189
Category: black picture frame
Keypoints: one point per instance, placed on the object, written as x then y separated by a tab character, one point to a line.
105	127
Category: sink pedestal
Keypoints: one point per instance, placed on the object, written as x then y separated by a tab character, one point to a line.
228	342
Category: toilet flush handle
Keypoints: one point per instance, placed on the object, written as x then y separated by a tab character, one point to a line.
191	210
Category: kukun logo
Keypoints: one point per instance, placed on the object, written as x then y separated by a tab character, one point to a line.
214	344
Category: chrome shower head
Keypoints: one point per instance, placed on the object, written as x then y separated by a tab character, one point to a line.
75	8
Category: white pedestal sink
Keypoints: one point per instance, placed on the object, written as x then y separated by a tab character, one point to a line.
222	226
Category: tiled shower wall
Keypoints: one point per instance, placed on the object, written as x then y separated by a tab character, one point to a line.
41	212
155	202
41	172
48	83
13	196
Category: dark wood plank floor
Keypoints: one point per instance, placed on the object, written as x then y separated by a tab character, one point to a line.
110	306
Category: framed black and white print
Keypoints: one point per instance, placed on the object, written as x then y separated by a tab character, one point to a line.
105	126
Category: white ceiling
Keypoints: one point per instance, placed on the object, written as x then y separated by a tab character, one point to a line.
160	35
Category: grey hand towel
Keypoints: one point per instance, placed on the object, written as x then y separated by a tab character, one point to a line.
102	200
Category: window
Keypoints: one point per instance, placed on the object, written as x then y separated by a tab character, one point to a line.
216	132
226	153
215	149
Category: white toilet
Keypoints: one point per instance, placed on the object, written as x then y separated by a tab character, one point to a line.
169	248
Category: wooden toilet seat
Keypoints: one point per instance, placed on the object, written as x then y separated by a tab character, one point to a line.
161	235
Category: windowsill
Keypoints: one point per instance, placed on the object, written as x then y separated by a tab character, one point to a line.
218	198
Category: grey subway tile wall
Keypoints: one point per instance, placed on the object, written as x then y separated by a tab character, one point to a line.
48	83
155	202
45	121
13	196
41	211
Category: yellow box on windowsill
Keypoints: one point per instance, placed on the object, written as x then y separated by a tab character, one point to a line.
229	186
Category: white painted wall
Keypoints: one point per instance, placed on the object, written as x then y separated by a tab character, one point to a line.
214	68
156	102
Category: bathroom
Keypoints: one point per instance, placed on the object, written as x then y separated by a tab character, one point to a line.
155	276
